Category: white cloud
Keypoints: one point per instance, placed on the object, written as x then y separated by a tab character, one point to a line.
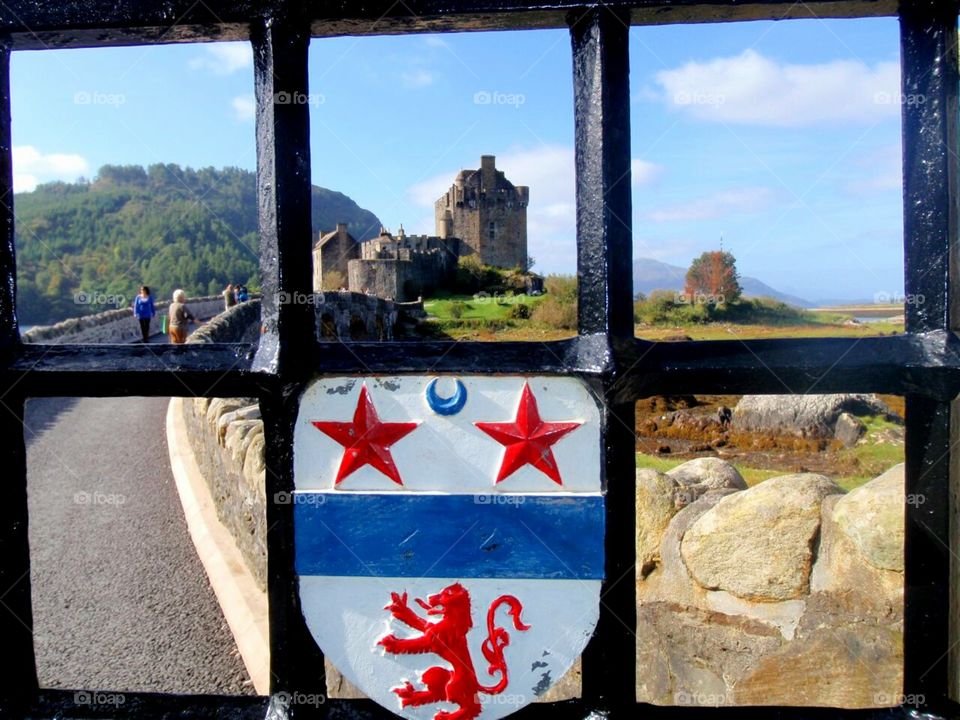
551	215
720	204
244	107
752	89
224	58
417	78
643	172
31	167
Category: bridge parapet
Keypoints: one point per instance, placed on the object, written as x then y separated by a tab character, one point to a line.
114	326
239	324
226	434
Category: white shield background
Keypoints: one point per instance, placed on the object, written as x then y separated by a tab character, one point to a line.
449	455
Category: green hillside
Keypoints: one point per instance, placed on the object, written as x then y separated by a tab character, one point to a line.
82	247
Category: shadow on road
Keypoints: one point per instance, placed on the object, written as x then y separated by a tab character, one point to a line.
41	414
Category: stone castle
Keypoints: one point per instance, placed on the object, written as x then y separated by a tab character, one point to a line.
482	213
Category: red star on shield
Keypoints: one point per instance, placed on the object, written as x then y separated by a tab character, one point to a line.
366	440
528	439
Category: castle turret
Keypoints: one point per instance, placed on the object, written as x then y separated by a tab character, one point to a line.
445	225
488	173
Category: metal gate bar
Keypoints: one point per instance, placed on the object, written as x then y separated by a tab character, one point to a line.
923	364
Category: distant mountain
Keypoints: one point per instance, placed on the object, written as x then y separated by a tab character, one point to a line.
87	246
649	275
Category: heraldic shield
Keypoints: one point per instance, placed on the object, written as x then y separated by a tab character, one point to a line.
449	536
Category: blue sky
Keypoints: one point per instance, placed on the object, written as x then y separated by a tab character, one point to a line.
783	138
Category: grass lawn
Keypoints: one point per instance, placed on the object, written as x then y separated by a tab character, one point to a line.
478	308
732	331
662	464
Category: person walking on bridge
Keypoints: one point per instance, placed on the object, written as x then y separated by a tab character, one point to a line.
143	311
180	316
229	298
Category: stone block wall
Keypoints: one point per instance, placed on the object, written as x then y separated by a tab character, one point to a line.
114	326
789	592
226	436
349	315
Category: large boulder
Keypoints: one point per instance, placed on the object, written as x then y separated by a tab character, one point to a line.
655	508
849	429
758	544
660	496
707	473
872	516
812	416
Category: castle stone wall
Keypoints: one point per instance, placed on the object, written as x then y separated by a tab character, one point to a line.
402	279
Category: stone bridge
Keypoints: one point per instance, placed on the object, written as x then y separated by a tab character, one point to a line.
356	316
340	316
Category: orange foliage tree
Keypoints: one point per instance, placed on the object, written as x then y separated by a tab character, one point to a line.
713	275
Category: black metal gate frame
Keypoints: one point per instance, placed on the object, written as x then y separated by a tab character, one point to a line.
923	364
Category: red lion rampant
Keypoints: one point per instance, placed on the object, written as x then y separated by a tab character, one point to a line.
447	637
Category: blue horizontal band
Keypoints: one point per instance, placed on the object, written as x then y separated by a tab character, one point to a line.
458	536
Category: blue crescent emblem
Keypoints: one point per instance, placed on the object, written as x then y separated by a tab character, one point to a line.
446	406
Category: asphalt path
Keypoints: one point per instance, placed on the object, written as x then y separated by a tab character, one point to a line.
120	599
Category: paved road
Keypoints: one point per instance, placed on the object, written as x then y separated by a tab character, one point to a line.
121	601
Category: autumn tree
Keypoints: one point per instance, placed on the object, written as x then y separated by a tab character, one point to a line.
713	275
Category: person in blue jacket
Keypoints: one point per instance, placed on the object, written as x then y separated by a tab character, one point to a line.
143	311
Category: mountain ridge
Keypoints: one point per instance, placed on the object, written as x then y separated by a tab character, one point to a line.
87	246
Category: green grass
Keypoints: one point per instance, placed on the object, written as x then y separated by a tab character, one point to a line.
478	308
736	331
752	476
873	458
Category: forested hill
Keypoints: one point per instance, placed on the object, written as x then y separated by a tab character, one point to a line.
83	246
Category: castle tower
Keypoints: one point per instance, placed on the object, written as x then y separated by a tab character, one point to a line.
488	213
332	251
